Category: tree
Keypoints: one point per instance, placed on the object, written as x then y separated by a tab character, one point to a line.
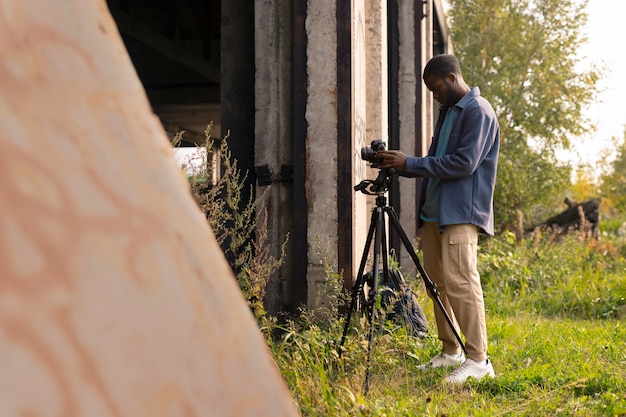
585	185
613	181
523	56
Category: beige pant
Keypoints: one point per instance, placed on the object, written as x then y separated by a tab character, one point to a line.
450	262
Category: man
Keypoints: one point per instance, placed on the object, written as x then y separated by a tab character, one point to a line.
456	204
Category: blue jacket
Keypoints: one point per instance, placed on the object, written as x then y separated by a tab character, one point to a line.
468	169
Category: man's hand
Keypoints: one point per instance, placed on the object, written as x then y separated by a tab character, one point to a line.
391	159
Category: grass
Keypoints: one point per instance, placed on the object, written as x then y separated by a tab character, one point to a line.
555	307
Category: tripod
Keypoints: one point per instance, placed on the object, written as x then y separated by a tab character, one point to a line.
377	232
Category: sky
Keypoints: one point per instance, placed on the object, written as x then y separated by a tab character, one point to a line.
606	32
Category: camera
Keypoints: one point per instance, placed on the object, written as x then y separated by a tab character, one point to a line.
368	153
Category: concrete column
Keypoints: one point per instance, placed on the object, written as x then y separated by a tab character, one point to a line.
376	69
407	113
273	142
428	107
321	117
237	84
361	133
415	103
375	85
369	110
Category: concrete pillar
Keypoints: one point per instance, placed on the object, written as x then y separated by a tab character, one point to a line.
375	84
369	109
415	105
407	114
428	108
346	110
376	68
237	85
321	117
364	95
273	140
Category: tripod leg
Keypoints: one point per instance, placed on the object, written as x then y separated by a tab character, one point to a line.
378	244
358	284
430	285
385	251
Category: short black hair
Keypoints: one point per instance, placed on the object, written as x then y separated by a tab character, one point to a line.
442	65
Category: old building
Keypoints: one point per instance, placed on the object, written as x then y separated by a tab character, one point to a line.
301	86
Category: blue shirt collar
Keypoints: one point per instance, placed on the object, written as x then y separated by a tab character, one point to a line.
473	93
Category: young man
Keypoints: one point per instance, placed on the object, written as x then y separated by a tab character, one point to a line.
456	204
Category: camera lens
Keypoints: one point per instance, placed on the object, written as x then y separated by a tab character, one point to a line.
367	154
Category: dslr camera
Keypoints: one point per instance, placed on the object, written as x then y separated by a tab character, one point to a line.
368	153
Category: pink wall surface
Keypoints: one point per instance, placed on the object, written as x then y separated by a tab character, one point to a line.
115	299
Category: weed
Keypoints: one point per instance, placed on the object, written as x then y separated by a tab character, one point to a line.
240	227
554	306
555	339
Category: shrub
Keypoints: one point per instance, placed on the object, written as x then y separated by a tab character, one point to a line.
240	227
564	275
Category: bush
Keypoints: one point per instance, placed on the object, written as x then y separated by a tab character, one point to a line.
552	274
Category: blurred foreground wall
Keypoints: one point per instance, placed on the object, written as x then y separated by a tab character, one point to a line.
115	299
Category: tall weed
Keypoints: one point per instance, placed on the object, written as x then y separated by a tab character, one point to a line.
558	347
240	227
560	275
554	308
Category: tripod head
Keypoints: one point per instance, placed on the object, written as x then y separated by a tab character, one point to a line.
381	184
378	186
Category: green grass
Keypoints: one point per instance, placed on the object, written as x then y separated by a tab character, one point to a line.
555	311
557	339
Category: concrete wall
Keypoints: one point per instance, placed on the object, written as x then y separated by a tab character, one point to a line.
330	174
273	139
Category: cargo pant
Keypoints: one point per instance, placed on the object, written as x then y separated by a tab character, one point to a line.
450	260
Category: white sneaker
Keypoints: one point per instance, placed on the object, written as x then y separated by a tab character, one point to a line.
443	359
469	369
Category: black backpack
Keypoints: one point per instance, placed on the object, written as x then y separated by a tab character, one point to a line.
400	303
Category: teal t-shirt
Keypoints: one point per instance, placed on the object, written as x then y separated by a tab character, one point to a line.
430	210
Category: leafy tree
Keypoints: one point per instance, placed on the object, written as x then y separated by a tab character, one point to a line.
613	181
523	56
585	185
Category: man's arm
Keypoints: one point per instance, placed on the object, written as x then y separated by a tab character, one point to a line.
470	148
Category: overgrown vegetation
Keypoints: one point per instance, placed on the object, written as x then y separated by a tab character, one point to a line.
613	179
240	227
524	56
555	305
